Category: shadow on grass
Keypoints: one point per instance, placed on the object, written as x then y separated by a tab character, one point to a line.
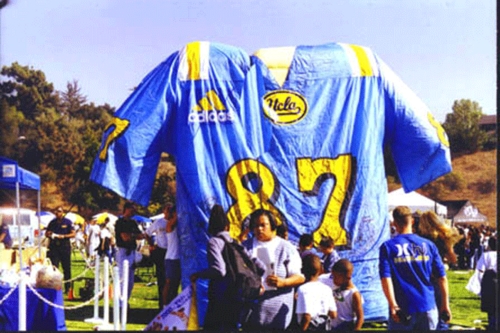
134	316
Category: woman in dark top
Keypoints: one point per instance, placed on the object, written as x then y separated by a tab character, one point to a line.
223	312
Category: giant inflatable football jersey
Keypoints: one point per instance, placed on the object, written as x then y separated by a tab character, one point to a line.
193	106
299	131
332	108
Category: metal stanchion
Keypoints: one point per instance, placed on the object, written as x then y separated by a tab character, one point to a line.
116	298
124	297
105	326
95	319
106	290
22	301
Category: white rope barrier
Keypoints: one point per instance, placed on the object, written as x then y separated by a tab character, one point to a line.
75	307
120	296
4	298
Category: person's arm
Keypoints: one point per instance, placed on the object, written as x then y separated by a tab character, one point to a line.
306	320
2	236
132	233
290	281
388	289
357	305
171	223
216	265
48	230
72	233
445	304
294	267
130	236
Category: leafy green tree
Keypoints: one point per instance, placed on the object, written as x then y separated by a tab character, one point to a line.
462	127
10	119
27	90
60	134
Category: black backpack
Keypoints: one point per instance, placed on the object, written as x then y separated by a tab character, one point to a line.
243	276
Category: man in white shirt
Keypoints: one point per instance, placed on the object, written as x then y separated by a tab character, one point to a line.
158	249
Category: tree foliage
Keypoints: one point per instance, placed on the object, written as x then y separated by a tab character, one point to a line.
462	127
55	134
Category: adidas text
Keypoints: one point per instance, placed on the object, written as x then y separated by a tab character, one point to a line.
211	116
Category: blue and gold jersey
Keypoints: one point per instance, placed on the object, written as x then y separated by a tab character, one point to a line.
333	107
299	131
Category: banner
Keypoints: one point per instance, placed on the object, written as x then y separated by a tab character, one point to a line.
180	315
299	131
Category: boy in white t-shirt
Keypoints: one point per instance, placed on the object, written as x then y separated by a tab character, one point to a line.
348	299
315	302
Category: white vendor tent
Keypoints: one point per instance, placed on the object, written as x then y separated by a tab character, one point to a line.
415	201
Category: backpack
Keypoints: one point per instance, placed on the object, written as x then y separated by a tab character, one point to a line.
243	276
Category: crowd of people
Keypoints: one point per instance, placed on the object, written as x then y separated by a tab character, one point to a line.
305	287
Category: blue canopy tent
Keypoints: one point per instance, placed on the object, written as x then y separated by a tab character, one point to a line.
13	177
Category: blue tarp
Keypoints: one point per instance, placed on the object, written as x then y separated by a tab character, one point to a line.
11	173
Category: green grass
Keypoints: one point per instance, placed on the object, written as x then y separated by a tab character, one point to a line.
143	301
465	306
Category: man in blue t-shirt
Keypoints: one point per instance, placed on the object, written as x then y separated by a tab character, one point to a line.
407	263
60	231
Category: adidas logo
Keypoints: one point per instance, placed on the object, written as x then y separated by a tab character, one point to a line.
210	109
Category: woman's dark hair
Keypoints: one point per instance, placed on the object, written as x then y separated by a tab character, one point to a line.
282	230
258	213
218	220
306	240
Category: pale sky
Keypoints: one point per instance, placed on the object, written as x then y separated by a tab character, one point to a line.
444	50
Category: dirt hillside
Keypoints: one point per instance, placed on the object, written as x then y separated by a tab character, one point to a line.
479	174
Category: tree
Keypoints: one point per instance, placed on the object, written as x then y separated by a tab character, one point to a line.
28	91
462	127
71	99
10	119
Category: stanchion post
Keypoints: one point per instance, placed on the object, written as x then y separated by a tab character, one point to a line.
116	298
95	319
22	301
124	297
105	326
106	290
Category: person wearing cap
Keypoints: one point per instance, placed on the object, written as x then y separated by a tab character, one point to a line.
407	265
60	231
127	232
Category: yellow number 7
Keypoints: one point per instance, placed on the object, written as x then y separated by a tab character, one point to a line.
310	175
120	127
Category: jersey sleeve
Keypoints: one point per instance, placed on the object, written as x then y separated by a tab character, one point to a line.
133	141
419	144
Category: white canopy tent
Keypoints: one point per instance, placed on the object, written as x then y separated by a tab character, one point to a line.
415	201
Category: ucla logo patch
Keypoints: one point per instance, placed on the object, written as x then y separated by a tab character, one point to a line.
210	108
285	107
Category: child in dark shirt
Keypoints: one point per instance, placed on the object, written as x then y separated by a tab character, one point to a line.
330	256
